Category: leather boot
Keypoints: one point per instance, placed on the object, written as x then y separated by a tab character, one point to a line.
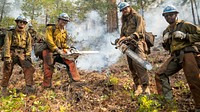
138	90
4	91
29	90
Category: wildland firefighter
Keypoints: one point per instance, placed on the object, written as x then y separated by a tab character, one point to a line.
17	50
33	33
56	40
181	39
132	34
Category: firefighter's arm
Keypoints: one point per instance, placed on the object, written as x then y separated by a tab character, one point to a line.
193	32
166	38
49	39
7	44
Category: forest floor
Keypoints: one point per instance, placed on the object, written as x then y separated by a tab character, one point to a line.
110	90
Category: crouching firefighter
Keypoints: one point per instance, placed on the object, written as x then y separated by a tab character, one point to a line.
56	42
17	50
181	39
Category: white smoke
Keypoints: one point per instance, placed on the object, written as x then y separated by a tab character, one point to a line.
92	35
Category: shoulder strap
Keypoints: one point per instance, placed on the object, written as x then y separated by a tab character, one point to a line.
13	35
180	25
53	29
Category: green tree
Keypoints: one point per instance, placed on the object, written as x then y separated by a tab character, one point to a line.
52	8
31	8
84	6
7	21
4	8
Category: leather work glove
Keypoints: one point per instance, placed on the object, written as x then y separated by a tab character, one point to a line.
60	51
166	37
28	58
179	34
7	62
67	51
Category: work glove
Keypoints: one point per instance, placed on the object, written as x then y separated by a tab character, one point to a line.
60	51
7	62
123	48
166	37
28	58
179	34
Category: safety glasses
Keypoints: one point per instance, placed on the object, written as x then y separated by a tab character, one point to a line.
23	22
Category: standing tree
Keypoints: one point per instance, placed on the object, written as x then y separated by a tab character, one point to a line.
195	4
31	8
4	8
192	7
112	18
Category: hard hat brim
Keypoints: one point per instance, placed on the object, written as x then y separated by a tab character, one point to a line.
170	12
20	20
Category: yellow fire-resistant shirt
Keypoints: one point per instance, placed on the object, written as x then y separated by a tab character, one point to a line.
17	40
58	39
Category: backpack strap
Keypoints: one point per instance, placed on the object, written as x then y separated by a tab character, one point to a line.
180	25
14	33
53	29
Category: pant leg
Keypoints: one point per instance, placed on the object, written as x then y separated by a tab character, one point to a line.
48	65
169	68
192	73
141	71
7	72
133	72
28	71
73	72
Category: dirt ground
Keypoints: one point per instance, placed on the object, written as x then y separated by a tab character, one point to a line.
110	90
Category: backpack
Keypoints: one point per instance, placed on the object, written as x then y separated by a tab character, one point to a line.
2	37
149	38
40	46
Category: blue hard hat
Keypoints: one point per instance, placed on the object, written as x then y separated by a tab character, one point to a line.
21	18
64	16
169	9
122	5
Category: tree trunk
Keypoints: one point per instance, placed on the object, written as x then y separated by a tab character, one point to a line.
194	21
33	11
195	4
2	10
112	19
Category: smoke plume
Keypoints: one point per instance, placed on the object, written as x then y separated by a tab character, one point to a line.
92	35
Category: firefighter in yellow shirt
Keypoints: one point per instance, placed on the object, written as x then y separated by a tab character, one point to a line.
17	50
57	43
